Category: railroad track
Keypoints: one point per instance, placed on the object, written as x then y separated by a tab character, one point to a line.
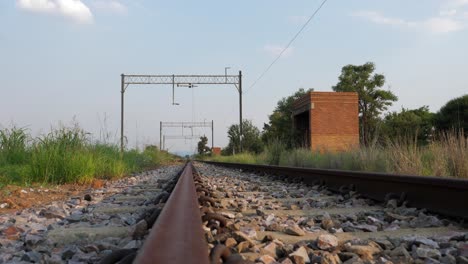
243	214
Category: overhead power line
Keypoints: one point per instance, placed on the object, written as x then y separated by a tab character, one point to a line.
287	46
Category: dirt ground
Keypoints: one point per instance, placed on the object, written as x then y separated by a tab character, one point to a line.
13	198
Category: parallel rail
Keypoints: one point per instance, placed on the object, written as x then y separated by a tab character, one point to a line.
446	196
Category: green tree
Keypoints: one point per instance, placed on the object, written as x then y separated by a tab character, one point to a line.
202	146
372	100
409	123
453	115
280	126
251	139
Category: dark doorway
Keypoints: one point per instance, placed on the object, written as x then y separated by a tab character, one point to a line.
302	125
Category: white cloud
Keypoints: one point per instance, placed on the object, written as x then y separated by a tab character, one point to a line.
433	25
275	50
378	18
448	12
443	25
72	9
110	6
458	3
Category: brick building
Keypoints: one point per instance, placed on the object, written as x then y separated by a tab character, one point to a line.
216	151
327	121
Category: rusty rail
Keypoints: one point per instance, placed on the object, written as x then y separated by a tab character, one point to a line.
447	196
177	236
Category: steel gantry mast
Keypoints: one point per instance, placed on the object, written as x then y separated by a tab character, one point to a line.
178	81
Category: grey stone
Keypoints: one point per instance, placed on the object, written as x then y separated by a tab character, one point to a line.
52	212
384	243
68	252
90	248
327	241
5	257
140	229
458	236
301	252
421	240
32	240
105	252
424	252
32	257
368	228
426	221
294	230
37	228
463	249
53	259
400	251
85	257
75	218
431	261
448	259
132	244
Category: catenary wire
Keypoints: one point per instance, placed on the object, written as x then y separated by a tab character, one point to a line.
285	48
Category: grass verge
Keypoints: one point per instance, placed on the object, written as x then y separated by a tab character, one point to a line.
67	155
447	156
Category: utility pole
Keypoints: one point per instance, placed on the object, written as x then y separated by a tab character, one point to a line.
212	134
122	91
240	112
160	135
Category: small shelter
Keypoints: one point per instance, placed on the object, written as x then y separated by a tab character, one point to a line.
327	121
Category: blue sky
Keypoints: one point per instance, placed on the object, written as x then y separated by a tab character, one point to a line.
62	59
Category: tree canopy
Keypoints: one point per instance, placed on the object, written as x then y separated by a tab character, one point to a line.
251	141
409	123
280	126
202	146
453	115
372	100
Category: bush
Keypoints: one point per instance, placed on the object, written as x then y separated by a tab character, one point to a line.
273	152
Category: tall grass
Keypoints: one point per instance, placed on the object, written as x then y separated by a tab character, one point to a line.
446	155
67	155
13	144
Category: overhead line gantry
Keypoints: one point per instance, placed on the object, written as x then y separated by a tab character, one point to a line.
179	81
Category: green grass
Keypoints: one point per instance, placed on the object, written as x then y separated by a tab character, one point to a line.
447	156
67	155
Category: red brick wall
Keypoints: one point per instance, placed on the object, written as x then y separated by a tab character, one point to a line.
216	150
334	121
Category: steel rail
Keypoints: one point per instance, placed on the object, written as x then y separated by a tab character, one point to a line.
177	236
447	196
